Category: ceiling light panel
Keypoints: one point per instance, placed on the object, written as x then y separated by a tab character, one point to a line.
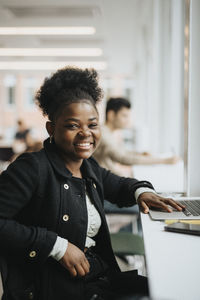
68	30
50	65
52	10
50	52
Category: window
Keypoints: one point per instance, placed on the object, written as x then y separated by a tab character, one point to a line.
10	84
30	86
11	95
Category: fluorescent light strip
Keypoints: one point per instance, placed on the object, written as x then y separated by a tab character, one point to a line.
78	30
50	65
50	52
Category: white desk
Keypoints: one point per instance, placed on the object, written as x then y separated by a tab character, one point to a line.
173	262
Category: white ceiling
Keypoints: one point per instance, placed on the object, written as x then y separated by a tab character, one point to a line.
119	25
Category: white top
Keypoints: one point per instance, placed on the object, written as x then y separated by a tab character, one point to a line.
94	223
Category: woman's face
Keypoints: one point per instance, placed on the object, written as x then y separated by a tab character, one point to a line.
76	131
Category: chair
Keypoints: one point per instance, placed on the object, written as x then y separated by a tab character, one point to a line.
127	243
129	251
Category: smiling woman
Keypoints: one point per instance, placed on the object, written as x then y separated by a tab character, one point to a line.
74	120
54	237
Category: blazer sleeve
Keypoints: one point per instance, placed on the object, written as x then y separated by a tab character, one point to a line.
120	190
17	186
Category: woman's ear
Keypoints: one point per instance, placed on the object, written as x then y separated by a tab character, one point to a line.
50	128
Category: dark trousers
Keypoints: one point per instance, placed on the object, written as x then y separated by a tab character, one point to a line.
101	284
124	285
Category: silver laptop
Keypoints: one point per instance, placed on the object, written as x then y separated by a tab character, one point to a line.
191	212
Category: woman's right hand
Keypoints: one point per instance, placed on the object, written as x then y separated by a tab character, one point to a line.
75	261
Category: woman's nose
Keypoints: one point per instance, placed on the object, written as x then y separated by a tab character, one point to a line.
84	132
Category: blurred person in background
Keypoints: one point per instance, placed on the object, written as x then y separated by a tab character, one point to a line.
111	153
22	139
54	237
35	146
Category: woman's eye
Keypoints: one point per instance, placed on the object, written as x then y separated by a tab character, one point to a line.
71	126
93	125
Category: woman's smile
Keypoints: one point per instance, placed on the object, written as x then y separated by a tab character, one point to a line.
83	146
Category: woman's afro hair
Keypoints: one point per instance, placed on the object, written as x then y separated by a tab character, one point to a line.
66	86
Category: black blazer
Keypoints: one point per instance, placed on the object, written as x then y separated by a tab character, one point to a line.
40	199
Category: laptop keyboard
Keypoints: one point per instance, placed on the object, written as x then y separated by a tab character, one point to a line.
192	207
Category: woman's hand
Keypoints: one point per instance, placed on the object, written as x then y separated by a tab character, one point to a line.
74	261
147	200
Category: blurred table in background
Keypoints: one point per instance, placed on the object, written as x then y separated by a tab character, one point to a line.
165	178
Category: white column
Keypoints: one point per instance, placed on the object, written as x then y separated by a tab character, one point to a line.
156	113
165	103
175	98
194	102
